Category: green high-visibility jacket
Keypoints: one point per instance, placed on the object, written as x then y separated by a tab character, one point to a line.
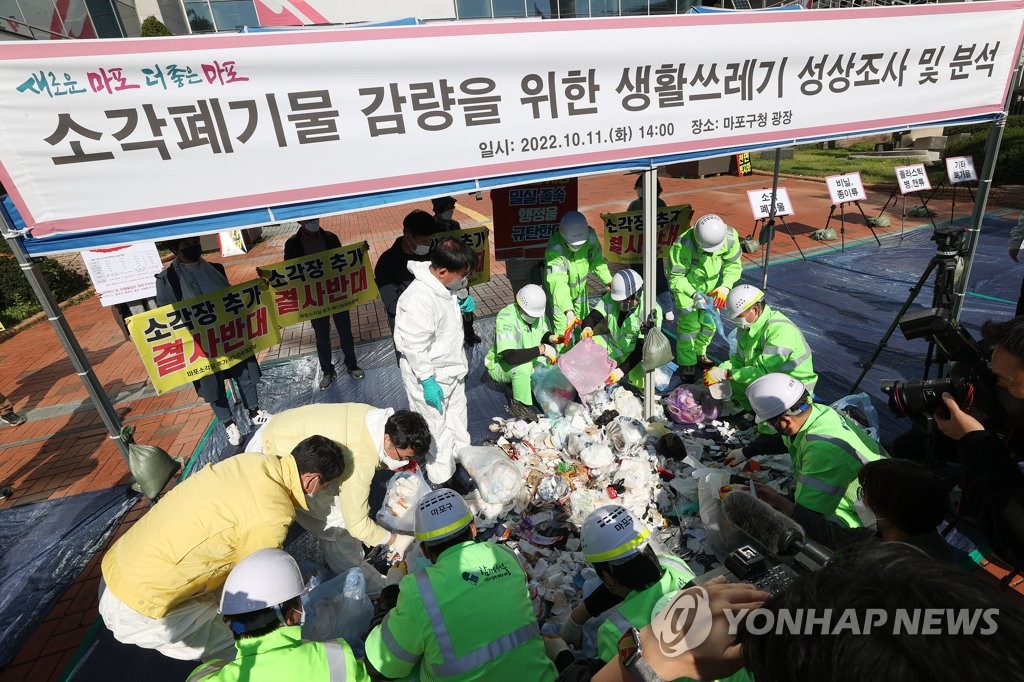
284	655
828	453
772	344
622	337
565	275
512	332
692	269
637	608
467	617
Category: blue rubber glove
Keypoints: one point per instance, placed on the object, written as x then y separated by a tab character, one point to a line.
468	304
432	393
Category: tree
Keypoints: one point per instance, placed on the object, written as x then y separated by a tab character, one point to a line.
154	28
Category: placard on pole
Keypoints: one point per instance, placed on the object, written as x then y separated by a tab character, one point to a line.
846	189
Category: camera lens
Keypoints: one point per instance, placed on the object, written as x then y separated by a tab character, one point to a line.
917	397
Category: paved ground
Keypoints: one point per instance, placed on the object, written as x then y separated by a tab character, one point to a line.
64	450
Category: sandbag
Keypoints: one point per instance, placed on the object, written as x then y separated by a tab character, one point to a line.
150	465
657	350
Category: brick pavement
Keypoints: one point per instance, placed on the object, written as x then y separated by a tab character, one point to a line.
63	449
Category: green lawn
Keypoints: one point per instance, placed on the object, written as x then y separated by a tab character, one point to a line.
812	161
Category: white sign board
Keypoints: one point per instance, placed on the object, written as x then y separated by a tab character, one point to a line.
232	243
761	202
123	273
845	188
912	178
960	169
104	133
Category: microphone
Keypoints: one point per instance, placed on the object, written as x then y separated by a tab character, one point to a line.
779	534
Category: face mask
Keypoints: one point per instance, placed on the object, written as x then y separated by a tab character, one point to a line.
529	319
192	253
866	516
421	249
576	247
447	215
629	306
311	227
458	284
743	324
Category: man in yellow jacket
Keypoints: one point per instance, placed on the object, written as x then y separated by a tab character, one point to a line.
370	438
162	579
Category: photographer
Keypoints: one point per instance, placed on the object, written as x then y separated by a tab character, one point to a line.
992	482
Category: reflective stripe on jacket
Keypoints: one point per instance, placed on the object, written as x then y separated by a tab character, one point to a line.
512	332
692	269
565	270
772	344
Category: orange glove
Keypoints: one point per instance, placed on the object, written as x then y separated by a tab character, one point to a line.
587	333
719	294
615	377
715	375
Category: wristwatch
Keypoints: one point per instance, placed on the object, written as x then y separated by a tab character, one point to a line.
631	656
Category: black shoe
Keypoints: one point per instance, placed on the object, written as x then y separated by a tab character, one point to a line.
521	411
6	491
687	375
12	418
704	362
327	380
472	338
356	372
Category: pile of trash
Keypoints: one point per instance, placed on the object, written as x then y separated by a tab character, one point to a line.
538	481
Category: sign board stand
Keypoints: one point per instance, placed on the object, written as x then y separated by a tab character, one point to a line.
959	171
846	189
952	187
767	233
910	180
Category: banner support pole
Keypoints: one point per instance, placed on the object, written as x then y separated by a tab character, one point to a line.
649	274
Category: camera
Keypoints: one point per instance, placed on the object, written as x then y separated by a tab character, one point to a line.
948	240
968	381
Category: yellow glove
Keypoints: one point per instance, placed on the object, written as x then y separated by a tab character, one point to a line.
615	377
549	352
719	295
715	375
587	333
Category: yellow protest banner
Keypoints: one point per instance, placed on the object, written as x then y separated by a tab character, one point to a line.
478	239
321	284
186	341
624	233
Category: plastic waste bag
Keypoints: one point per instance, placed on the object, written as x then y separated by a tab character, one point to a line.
859	408
597	456
339	608
404	490
691	404
706	308
150	465
552	391
663	376
586	365
625	432
497	477
723	537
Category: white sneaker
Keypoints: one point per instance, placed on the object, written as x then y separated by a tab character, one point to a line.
234	435
261	418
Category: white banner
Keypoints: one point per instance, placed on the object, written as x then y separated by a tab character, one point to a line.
123	273
106	133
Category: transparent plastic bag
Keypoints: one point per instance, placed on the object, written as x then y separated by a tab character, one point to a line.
497	477
339	608
404	490
552	391
858	407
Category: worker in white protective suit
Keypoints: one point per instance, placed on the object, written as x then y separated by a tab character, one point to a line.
429	339
339	515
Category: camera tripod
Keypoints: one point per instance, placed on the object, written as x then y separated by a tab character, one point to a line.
943	264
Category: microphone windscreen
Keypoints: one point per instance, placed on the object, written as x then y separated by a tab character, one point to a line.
760	521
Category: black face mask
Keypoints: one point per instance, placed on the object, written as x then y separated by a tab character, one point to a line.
193	253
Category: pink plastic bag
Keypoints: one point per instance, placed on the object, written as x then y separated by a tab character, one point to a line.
691	404
586	365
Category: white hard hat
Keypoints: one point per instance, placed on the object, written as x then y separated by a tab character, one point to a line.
441	514
774	394
574	228
740	299
532	300
262	580
626	283
710	232
611	533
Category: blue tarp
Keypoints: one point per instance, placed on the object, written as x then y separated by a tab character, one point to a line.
43	548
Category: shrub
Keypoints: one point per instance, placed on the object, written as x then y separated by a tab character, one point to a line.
1009	168
18	302
154	28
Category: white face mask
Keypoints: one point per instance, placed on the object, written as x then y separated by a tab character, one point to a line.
529	319
866	516
576	247
458	284
743	324
421	249
447	215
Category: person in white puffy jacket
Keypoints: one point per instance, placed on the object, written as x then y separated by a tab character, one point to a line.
429	338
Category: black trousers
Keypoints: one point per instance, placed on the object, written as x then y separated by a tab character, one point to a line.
322	332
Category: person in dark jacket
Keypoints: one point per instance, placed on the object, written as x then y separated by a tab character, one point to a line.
392	271
310	239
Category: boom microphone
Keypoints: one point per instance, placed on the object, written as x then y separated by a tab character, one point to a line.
779	534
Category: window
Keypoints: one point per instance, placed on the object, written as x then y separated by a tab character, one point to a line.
231	15
473	9
200	18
